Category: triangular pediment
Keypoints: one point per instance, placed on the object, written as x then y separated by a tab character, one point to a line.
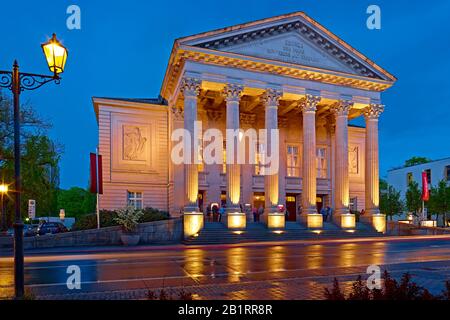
294	39
290	47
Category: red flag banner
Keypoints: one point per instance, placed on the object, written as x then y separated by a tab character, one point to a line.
425	190
96	174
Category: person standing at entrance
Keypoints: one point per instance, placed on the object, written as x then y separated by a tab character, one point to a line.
260	212
323	212
221	212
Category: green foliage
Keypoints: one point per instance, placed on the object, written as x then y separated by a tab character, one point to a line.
391	289
415	161
40	158
439	202
76	201
413	198
108	218
391	203
383	185
128	218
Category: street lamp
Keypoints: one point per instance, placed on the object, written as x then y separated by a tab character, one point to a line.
56	55
3	191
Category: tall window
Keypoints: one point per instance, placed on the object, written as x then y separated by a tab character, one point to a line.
201	165
409	178
293	161
321	161
447	173
224	157
428	171
135	199
260	152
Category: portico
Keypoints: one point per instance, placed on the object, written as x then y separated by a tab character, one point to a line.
286	73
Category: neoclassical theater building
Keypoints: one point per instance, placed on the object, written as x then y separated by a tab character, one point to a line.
288	73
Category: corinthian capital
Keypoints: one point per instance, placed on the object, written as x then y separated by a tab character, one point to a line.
190	87
373	111
341	108
271	97
309	103
233	92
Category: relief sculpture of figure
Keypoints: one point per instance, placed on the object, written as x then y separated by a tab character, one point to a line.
353	160
134	143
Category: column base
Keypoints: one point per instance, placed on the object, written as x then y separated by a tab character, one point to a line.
345	221
276	220
378	221
236	220
312	220
193	222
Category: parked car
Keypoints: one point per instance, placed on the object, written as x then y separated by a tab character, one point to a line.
30	230
51	227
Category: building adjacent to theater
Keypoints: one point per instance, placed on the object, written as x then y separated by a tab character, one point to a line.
436	171
286	72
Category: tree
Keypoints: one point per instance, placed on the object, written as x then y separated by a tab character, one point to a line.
413	198
415	161
439	202
39	158
391	203
40	174
76	201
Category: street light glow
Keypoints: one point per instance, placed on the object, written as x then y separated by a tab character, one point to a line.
3	188
56	55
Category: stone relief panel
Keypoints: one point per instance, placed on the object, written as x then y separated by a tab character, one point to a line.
353	160
133	143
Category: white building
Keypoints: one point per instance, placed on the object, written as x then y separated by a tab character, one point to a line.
436	171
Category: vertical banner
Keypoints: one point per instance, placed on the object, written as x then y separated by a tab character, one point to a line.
96	174
425	189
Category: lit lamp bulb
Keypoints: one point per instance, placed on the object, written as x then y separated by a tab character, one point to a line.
55	54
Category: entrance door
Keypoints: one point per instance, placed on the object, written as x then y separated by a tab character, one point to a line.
319	203
291	206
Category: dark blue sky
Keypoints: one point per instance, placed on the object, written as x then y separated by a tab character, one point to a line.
123	47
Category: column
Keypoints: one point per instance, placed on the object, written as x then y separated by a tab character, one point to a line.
341	192
232	95
309	183
193	220
371	114
190	89
270	99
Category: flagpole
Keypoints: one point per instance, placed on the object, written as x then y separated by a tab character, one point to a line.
97	179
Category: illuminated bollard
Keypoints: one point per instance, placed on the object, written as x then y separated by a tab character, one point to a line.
236	220
275	220
192	223
313	221
347	221
379	222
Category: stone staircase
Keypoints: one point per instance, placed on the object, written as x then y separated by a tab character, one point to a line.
217	233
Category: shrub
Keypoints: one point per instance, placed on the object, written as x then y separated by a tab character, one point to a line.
151	214
391	290
107	218
128	218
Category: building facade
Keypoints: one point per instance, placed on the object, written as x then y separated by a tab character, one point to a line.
287	73
437	171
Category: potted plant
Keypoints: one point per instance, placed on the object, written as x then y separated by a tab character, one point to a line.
128	219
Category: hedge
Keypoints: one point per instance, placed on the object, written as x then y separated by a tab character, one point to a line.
89	221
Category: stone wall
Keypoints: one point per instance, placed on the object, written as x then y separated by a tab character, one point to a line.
157	232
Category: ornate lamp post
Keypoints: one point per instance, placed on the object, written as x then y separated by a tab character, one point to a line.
16	81
3	191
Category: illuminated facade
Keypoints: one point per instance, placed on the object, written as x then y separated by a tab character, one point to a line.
287	73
